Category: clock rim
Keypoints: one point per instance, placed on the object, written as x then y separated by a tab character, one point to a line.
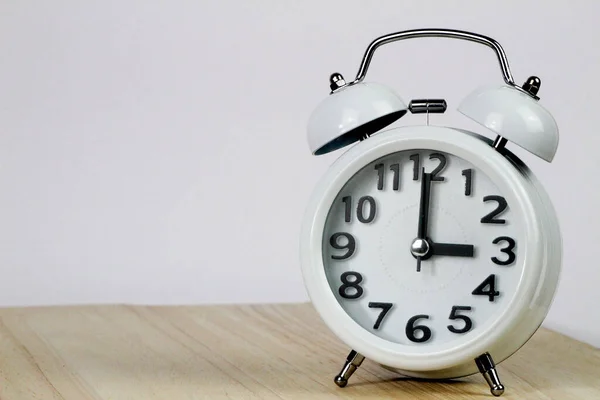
513	182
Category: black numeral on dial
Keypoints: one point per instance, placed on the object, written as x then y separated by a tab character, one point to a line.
351	288
468	174
442	159
385	308
350	245
372	209
412	329
416	166
434	174
487	288
380	175
395	168
365	202
454	315
420	333
491	217
347	200
508	250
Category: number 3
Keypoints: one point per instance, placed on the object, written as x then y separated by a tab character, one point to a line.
506	250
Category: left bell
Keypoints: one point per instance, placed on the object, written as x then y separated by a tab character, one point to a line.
350	113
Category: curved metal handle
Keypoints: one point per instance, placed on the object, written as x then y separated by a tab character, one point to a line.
447	33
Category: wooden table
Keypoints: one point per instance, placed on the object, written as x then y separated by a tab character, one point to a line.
241	352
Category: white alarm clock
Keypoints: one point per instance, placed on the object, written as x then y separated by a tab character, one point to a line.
431	250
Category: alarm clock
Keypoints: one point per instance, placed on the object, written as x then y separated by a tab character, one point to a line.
433	251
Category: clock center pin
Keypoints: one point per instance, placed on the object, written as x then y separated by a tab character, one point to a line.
419	247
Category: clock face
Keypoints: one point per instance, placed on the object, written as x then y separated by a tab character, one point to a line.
421	248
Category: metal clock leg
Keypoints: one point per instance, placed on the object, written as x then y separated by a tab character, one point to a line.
486	366
352	363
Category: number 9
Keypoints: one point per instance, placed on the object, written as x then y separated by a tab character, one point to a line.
350	245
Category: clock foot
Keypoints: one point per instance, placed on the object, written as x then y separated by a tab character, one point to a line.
352	363
486	366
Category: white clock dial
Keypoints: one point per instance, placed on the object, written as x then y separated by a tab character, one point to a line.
460	289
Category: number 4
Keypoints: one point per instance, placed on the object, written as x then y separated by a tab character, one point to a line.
481	290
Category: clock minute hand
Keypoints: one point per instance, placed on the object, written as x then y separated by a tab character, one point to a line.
423	216
424	205
451	249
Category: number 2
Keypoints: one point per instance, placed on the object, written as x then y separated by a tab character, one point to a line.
434	174
491	217
442	159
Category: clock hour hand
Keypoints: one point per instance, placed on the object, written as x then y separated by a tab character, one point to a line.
451	249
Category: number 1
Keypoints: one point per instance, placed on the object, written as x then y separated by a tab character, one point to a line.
468	174
415	159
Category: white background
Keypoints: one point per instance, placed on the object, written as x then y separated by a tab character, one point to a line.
155	152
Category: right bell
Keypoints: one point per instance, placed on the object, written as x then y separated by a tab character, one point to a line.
516	115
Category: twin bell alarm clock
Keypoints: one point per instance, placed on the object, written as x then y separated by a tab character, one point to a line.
433	251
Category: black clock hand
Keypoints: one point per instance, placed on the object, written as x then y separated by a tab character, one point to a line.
450	249
424	205
421	240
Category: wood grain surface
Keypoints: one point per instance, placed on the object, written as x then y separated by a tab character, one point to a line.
241	352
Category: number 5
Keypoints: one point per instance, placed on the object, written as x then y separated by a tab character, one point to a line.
454	315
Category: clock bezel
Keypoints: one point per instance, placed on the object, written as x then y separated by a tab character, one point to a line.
512	183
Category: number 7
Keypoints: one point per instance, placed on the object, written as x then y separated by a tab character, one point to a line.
385	308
